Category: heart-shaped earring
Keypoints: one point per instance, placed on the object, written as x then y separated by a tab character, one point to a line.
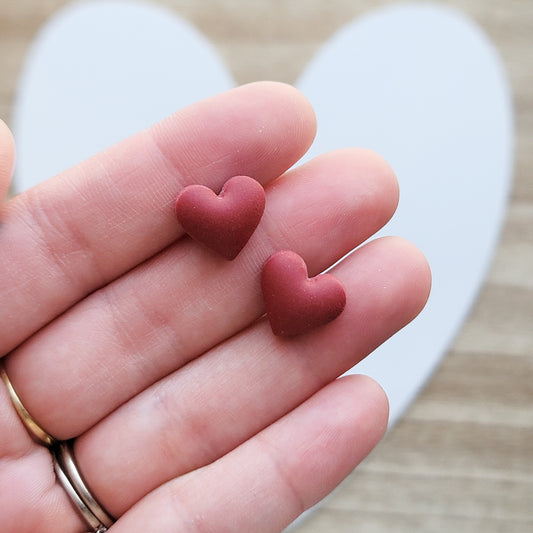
225	222
294	302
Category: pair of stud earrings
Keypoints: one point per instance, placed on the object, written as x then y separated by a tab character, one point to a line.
294	303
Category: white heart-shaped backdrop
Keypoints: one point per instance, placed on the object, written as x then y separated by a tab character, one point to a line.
420	84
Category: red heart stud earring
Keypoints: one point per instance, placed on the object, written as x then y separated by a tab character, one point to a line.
223	223
295	303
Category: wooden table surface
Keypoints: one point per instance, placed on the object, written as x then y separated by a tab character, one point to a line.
461	459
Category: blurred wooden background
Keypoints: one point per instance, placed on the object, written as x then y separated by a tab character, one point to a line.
461	460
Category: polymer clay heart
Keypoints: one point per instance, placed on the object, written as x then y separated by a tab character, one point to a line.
225	222
295	303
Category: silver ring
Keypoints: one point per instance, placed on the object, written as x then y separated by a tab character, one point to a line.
70	478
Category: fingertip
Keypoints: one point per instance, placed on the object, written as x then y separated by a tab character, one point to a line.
411	269
373	404
291	102
361	165
419	266
295	99
383	173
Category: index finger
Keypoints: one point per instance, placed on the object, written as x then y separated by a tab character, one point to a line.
73	234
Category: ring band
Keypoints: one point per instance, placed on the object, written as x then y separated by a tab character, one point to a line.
36	431
71	480
64	465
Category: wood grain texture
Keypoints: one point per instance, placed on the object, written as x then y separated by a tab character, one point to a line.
461	459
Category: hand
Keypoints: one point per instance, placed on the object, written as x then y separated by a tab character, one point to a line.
149	350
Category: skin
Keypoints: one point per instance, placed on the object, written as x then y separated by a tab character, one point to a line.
119	331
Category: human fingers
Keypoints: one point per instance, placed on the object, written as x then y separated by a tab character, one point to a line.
266	482
7	158
202	411
172	308
78	231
